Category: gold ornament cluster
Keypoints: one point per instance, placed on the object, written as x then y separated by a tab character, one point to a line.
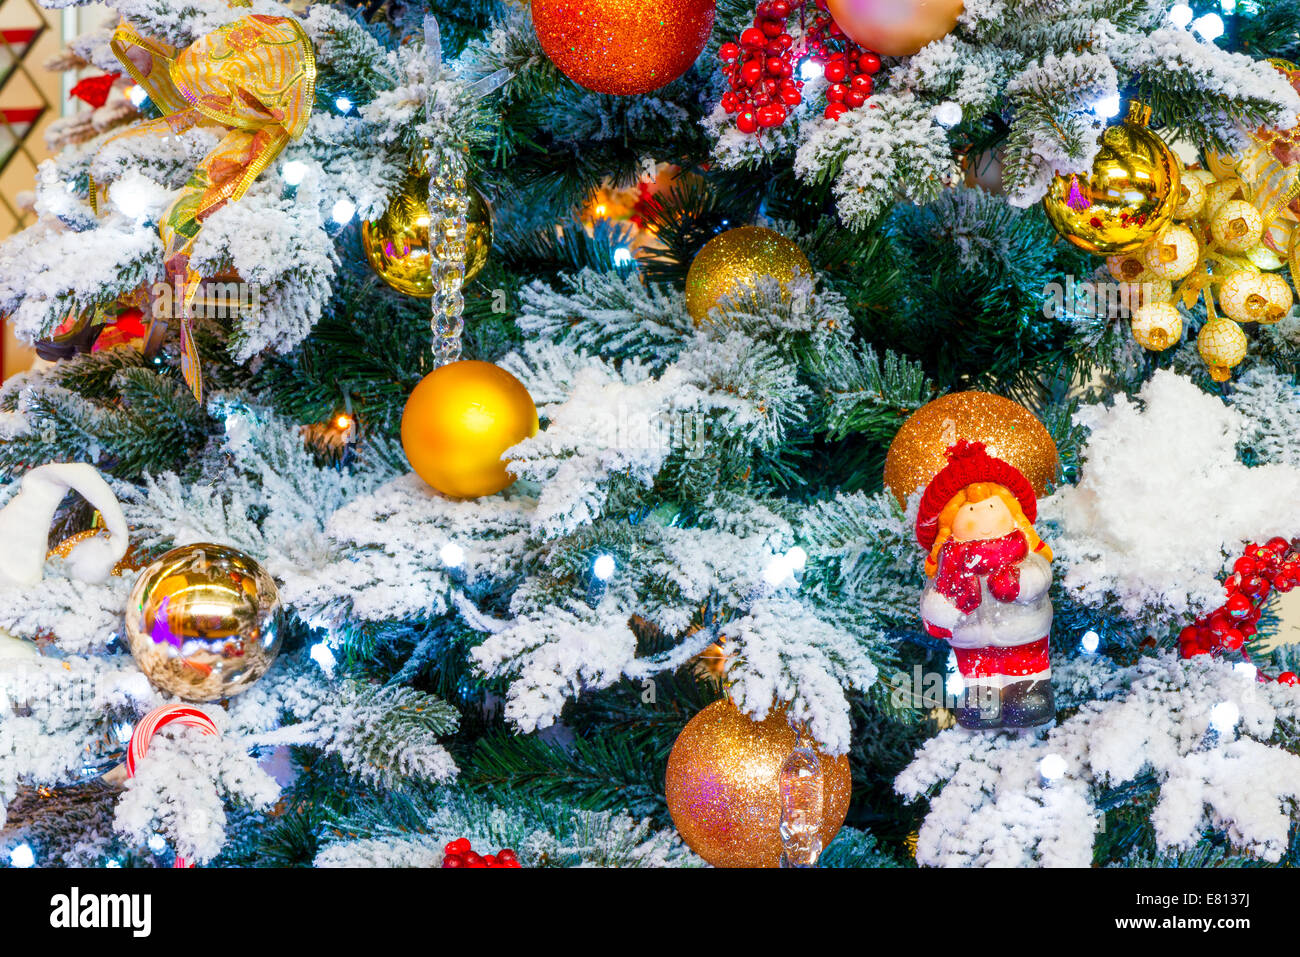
1222	234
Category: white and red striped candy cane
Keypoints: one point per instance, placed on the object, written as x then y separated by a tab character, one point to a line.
148	726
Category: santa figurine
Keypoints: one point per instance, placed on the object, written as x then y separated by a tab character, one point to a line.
990	576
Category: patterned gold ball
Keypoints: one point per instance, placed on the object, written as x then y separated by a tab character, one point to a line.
1236	226
731	265
1135	295
1009	430
1191	196
1127	267
1222	345
1173	255
723	788
1157	326
1277	292
397	243
623	47
459	420
1242	295
1127	198
203	622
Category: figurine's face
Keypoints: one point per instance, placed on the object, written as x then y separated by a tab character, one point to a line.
976	521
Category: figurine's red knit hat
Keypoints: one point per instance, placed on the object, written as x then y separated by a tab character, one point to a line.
968	462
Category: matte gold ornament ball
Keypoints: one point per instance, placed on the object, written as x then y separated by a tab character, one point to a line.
397	243
730	265
1009	431
203	622
459	420
623	47
1129	196
723	791
895	27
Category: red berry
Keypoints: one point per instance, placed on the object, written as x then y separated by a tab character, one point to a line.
1278	545
506	855
474	860
773	114
728	52
1233	639
772	29
453	860
751	72
835	110
745	121
869	62
1245	567
775	65
764	9
780	8
836	71
752	38
854	99
1238	605
1287	678
1219	623
1246	629
835	92
791	97
862	83
489	860
1284	584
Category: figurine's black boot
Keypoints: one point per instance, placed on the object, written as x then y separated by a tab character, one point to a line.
1027	704
981	707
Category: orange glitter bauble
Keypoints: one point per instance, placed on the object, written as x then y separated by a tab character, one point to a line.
723	787
459	420
623	46
1010	431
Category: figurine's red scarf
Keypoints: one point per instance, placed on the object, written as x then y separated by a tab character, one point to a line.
962	563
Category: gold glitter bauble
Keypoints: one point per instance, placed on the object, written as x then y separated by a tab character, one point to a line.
1157	326
397	243
623	46
895	27
457	422
1129	196
1009	430
203	622
1222	345
723	791
730	265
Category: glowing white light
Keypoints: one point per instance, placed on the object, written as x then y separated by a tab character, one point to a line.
157	844
293	171
1107	106
1223	716
323	656
343	211
1209	26
603	567
137	95
1180	14
129	197
452	555
22	856
1228	6
113	864
123	731
947	113
1246	670
1090	641
343	104
797	558
810	70
622	256
1052	767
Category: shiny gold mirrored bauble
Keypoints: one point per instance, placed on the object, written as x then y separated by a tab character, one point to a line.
397	243
1127	199
723	788
1010	432
731	265
203	622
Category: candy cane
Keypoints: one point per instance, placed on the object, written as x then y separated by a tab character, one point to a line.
149	725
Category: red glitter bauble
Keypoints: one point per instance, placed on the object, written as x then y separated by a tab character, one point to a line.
623	46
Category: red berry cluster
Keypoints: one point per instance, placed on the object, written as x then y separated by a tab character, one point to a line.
459	854
760	68
1262	568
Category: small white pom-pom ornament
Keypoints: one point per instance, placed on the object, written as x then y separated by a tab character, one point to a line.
1173	254
1157	326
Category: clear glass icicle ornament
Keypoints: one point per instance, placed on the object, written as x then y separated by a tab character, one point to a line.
803	803
448	209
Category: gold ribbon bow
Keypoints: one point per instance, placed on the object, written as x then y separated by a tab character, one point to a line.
256	78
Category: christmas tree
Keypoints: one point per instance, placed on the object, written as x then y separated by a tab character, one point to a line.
658	434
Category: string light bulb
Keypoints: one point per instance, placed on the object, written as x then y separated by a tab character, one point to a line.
1090	642
1180	14
22	856
452	555
293	171
1224	716
343	211
1210	26
1052	768
603	567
